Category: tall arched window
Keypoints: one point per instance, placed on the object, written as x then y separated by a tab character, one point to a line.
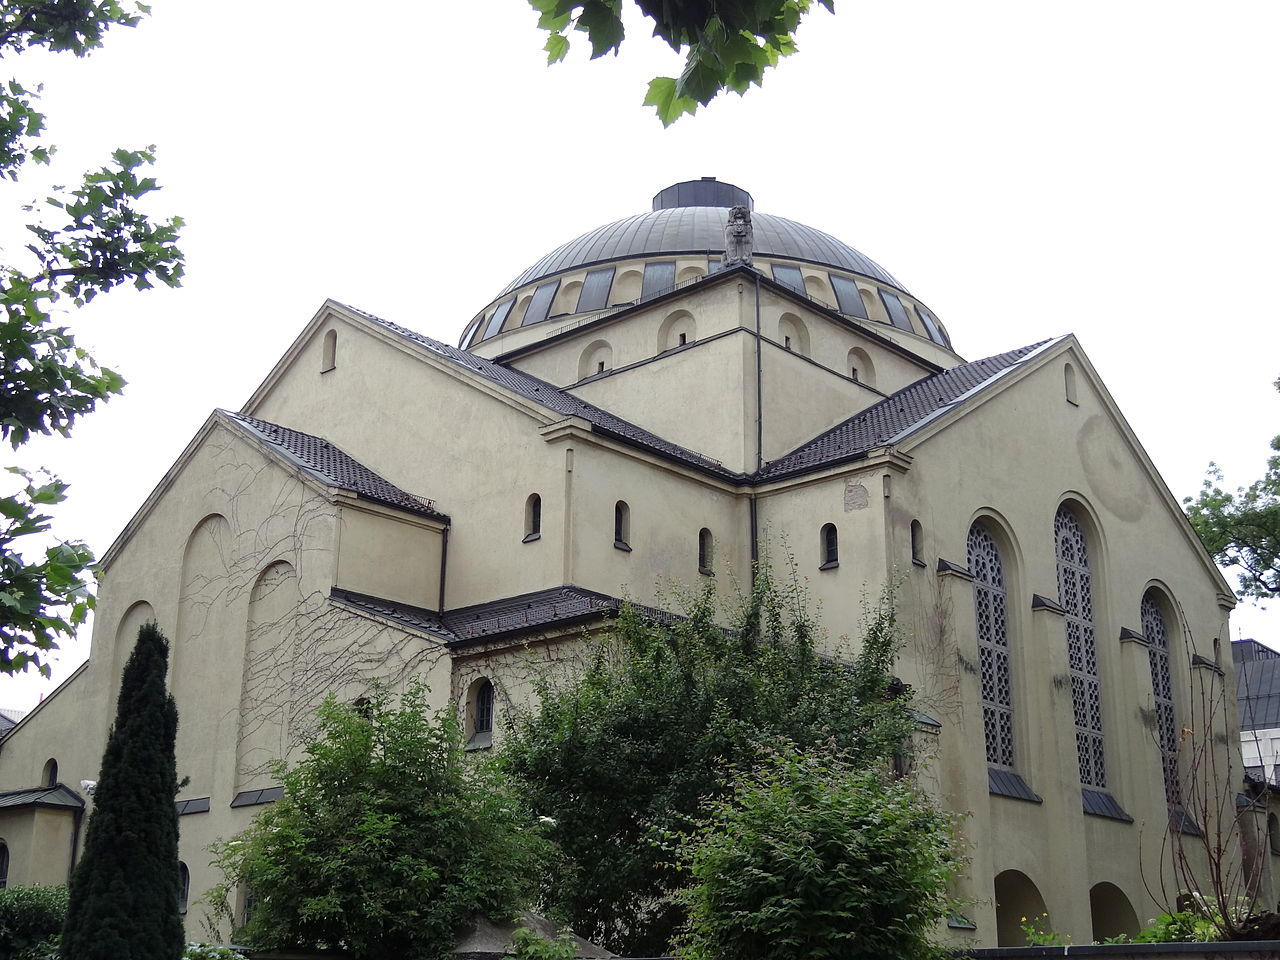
621	525
50	776
705	551
991	606
830	545
532	518
184	887
4	865
1157	634
1075	595
480	714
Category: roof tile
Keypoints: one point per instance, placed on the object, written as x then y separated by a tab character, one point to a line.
334	467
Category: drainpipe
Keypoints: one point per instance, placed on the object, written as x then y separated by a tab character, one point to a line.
759	384
444	564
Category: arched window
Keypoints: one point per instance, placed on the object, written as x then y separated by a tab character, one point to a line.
830	547
917	543
621	525
49	777
1069	381
184	887
4	865
479	724
990	602
1157	634
793	334
597	358
532	518
1075	595
329	354
705	551
860	366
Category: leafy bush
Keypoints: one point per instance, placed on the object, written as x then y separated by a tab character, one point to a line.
30	918
811	857
207	951
387	839
630	747
1184	926
528	944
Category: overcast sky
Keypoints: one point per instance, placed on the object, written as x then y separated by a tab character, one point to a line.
1025	169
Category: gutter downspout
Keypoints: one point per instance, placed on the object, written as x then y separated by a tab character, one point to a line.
755	516
444	565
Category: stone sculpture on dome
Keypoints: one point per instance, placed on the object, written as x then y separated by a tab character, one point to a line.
738	237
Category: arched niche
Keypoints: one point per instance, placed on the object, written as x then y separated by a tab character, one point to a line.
676	330
127	636
626	287
517	315
567	298
266	687
596	358
793	334
818	288
206	578
329	352
1017	897
875	309
1069	384
689	274
1111	912
860	367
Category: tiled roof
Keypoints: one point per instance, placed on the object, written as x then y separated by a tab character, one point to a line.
557	400
335	468
539	609
1258	694
419	618
898	413
56	796
542	608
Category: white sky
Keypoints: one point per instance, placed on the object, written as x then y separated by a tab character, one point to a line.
1026	169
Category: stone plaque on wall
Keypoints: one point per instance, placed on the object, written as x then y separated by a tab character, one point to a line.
855	496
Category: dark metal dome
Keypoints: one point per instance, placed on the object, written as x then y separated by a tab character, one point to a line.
693	228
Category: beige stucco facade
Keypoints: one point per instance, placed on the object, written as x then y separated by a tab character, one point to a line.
580	459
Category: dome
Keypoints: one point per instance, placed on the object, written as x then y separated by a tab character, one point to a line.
682	241
689	218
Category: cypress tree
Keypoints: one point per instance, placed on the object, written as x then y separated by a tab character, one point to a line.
124	892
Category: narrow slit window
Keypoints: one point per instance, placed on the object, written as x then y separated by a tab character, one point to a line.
917	543
622	525
830	543
705	551
184	887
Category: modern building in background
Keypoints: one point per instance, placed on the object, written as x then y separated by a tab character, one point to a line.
673	398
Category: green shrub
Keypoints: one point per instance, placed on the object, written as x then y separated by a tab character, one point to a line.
30	917
528	944
206	951
811	857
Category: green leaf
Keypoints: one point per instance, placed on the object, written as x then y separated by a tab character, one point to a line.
557	46
603	25
662	96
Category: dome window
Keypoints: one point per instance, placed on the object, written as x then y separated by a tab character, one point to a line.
499	318
897	312
540	303
595	290
659	278
848	297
